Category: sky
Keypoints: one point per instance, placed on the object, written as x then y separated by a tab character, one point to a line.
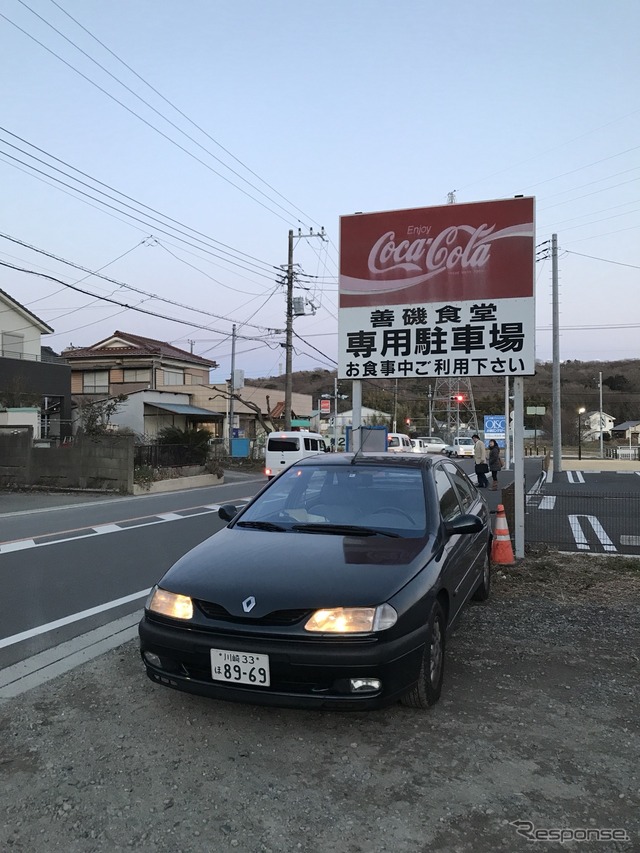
241	120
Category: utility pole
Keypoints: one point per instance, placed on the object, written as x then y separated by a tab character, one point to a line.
288	386
231	383
557	412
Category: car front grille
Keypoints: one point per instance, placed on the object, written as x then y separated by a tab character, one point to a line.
277	617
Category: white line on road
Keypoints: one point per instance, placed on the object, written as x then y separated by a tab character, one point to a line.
548	502
53	662
88	532
73	617
630	540
598	529
578	477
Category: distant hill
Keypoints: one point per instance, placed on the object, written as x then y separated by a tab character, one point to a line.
579	387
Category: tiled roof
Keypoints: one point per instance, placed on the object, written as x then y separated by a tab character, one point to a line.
137	345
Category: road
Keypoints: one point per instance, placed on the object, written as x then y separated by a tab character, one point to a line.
587	510
69	569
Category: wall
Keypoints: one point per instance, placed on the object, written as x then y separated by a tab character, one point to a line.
21	417
42	379
100	463
15	322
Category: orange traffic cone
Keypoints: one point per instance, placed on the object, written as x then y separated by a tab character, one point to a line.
501	550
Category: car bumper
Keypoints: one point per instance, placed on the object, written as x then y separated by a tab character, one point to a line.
313	674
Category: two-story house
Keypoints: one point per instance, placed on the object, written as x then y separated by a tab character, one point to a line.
124	363
593	423
145	370
32	375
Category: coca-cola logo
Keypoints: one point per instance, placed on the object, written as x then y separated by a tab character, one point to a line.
457	247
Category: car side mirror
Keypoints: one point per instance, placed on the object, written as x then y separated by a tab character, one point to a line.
464	524
227	512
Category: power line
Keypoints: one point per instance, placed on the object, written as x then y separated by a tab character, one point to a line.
123	304
232	252
604	260
143	120
115	281
179	111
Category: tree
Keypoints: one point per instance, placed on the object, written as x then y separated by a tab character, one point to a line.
95	415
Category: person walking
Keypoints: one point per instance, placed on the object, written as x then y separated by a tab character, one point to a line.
480	458
495	462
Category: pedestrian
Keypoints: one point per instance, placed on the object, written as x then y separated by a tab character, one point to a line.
495	462
480	458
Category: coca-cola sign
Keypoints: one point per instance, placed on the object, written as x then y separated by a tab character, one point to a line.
480	250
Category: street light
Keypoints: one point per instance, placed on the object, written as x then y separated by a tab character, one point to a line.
581	412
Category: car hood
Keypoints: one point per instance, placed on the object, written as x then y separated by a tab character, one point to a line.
293	570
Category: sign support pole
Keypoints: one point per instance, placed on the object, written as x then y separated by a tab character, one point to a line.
518	463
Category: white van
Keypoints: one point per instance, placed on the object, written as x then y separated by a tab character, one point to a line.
284	448
398	442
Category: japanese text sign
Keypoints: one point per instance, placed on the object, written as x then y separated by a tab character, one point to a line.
438	291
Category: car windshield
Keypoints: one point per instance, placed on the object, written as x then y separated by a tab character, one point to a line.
377	497
465	441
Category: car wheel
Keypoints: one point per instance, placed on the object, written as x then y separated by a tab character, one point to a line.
426	691
483	589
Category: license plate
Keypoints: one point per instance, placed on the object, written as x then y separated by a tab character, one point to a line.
240	668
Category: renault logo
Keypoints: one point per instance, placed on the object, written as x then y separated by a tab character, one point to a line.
248	604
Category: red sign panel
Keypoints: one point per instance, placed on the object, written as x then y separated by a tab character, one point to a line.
457	252
325	407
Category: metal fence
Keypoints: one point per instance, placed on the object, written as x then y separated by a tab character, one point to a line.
585	522
169	455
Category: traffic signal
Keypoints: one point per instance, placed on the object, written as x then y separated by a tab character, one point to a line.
407	421
458	398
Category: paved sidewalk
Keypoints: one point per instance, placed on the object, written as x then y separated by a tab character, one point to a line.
25	500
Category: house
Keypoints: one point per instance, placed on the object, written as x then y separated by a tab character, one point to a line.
594	423
124	363
148	412
30	374
628	431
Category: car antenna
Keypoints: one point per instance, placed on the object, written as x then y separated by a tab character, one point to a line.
360	449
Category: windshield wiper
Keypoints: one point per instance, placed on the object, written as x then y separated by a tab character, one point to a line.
262	525
344	530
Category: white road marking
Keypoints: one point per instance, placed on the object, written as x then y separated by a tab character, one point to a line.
156	518
53	662
598	529
20	545
548	502
630	540
578	477
73	617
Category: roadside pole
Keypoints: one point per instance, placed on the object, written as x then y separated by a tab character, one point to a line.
518	463
356	398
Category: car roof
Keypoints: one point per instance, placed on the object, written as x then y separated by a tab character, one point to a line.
398	460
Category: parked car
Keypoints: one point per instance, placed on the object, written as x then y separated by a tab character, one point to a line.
431	444
462	446
398	442
285	448
334	587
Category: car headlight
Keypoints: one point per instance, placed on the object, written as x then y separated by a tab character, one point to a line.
352	620
170	604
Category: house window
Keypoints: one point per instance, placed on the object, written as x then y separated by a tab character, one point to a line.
133	375
95	382
173	377
12	345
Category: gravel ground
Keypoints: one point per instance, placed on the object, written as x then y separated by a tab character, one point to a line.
538	722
